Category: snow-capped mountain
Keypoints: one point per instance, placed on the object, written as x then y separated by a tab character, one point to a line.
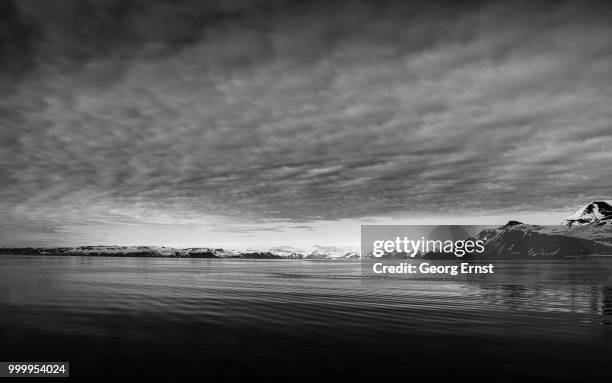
586	232
317	254
592	212
294	255
518	240
352	255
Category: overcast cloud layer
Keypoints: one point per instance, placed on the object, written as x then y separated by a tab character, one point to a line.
235	114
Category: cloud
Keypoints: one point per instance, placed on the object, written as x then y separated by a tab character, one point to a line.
246	113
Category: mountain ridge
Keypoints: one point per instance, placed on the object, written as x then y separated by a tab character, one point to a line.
586	232
593	212
165	252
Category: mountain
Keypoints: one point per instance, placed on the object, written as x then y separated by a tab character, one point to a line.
352	255
259	255
294	255
595	211
317	254
586	232
134	251
393	255
159	251
518	240
139	251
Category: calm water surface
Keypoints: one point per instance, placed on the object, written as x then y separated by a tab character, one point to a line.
170	318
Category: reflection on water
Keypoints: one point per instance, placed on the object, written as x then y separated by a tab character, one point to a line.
227	317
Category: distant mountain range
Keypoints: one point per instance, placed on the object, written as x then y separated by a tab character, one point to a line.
172	252
586	232
159	251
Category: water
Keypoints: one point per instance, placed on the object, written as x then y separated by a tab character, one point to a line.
172	318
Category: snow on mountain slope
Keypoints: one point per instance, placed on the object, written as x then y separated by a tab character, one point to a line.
586	232
592	212
522	240
317	254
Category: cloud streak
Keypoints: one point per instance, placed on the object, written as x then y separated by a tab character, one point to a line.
250	113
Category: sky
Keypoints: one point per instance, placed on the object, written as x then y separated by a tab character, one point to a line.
250	123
